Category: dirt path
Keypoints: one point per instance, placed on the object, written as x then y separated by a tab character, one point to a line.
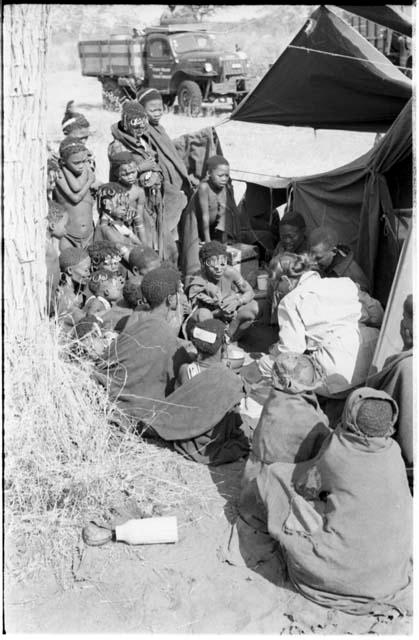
180	588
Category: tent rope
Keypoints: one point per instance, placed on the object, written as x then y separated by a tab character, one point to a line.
341	55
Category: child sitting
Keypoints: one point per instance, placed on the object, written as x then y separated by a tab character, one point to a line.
221	292
208	338
106	287
56	229
124	169
141	261
89	338
214	203
115	218
105	254
75	272
73	189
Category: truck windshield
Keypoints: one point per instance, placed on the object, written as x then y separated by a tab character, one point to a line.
193	41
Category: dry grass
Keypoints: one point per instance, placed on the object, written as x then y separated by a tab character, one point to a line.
65	463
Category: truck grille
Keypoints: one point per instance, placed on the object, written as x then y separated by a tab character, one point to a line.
233	67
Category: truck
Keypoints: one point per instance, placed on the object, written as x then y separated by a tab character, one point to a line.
182	61
396	47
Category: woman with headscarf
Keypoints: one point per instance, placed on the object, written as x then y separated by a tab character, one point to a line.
331	319
343	520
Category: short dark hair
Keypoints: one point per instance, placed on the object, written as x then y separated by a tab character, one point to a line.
70	146
99	250
212	248
132	293
158	284
140	257
326	236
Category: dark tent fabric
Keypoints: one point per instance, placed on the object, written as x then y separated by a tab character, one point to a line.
384	15
306	87
359	201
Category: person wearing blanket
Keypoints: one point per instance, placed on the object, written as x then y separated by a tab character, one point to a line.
343	520
202	417
291	428
329	318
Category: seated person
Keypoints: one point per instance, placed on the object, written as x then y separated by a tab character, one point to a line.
208	337
106	287
291	428
221	292
202	417
90	340
331	320
396	379
56	229
335	260
104	254
115	218
141	366
292	234
71	293
142	260
343	520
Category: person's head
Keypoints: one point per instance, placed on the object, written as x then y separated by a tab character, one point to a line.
406	324
52	173
89	337
160	288
208	337
286	270
322	244
134	119
132	293
152	102
214	259
73	155
106	284
142	260
75	124
295	373
124	168
75	263
292	229
149	174
218	171
106	254
57	219
370	413
113	200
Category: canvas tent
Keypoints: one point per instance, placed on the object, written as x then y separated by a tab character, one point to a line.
385	15
329	77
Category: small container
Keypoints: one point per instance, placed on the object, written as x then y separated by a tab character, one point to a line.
148	531
262	281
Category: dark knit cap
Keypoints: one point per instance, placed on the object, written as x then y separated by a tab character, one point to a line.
71	256
158	284
149	94
213	248
375	417
216	161
133	109
293	219
207	336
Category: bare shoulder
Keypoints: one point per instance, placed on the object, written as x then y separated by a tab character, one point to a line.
203	187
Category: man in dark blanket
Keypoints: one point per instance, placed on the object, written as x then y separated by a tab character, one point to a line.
141	365
202	416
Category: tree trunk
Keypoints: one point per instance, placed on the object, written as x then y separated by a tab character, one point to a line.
25	31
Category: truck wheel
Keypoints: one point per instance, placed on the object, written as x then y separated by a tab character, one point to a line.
189	98
112	95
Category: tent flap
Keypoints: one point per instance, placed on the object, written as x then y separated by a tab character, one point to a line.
384	15
329	77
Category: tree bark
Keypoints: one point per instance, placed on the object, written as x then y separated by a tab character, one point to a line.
25	30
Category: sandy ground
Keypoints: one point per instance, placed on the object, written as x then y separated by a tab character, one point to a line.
183	587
